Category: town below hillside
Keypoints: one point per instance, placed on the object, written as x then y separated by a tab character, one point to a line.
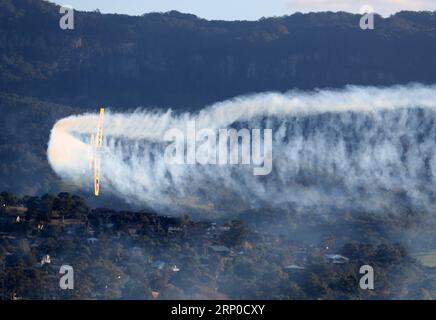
142	255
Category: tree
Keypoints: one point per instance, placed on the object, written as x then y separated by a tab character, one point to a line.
63	203
236	235
33	208
79	208
46	207
9	199
388	255
314	286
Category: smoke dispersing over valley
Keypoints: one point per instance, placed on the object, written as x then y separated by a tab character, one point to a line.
360	148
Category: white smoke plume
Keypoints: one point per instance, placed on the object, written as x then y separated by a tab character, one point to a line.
360	148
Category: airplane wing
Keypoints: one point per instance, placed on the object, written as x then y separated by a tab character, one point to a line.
97	175
99	140
97	160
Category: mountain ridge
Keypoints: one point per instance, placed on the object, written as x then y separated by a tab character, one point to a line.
179	61
174	60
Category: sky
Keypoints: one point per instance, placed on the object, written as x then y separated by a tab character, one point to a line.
245	9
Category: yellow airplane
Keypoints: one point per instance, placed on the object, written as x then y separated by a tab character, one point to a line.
97	143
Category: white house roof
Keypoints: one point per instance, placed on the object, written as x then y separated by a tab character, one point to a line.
293	267
220	248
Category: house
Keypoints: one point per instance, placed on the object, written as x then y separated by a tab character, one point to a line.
224	228
212	233
175	268
133	230
4	235
159	264
136	251
45	260
92	240
247	245
72	229
174	229
293	267
90	231
336	258
220	249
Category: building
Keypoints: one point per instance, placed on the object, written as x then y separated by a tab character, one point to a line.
45	260
175	268
336	258
293	267
92	240
220	249
173	230
159	264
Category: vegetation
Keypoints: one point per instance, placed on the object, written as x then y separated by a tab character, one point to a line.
182	61
25	125
130	255
179	61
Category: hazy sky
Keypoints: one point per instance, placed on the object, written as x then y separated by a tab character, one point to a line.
245	9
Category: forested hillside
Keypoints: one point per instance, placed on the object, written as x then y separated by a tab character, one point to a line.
183	62
25	125
179	61
141	255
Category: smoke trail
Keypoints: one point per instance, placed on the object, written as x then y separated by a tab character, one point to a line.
361	148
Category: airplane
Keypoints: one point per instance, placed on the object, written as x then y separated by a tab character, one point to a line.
95	161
